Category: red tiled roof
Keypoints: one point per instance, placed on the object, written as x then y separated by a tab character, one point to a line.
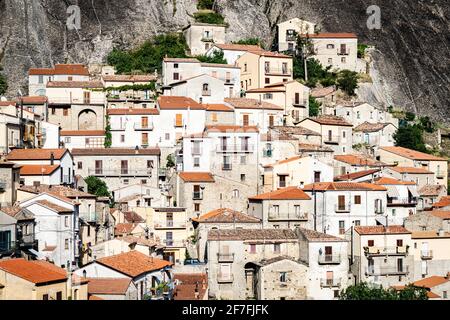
124	228
37	169
66	193
116	151
188	283
429	235
225	215
11	211
219	107
443	202
289	193
35	154
108	286
432	190
306	147
392	181
279	235
412	154
369	230
231	128
371	127
196	176
129	78
441	214
219	65
37	273
75	84
270	54
134	111
95	298
41	71
358	160
34	100
356	175
267	89
330	35
238	47
133	263
246	103
7	103
322	92
411	170
330	120
71	69
133	217
283	161
315	236
54	207
177	103
348	186
181	60
82	133
431	282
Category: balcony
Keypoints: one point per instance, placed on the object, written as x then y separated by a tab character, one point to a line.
207	39
173	243
206	93
387	271
288	216
329	259
382	251
343	52
197	195
143	127
236	148
89	216
379	210
169	225
278	71
330	283
299	102
225	278
440	175
340	208
331	140
100	172
225	257
291	37
426	254
405	202
66	179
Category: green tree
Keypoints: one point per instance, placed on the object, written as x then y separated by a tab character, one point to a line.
148	57
410	116
170	161
3	84
314	107
205	4
108	135
97	187
217	57
411	137
305	50
209	17
347	81
362	50
249	41
426	124
364	291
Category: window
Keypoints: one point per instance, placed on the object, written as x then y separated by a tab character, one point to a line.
276	248
214	117
150	164
253	248
235	193
268	96
330	60
330	46
196	162
41	79
343	60
444	295
197	207
176	76
167	136
394	212
267	81
357	199
178	120
317	176
370	243
297	210
290	46
45	297
145	139
357	223
399	243
124	166
245	67
65	112
67	139
175	65
282	181
126	181
143	181
66	244
341	227
59	295
66	221
245	119
242	177
276	209
205	90
271	121
98	166
283	277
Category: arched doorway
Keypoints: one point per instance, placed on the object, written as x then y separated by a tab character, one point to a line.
87	120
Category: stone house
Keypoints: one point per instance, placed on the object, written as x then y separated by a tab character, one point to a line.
289	30
200	37
219	113
373	135
431	195
232	52
352	163
9	182
326	97
359	112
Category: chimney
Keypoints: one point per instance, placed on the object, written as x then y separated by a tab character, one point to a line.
52	158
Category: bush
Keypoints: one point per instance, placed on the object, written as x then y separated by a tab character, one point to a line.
170	161
347	81
426	124
409	116
363	291
97	187
361	50
148	57
314	107
205	4
411	137
249	41
217	57
209	17
3	85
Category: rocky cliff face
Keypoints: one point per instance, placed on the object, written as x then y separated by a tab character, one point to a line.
411	61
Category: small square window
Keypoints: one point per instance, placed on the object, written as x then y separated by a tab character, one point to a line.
242	177
197	207
80	165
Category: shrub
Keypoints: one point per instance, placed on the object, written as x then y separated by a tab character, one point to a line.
314	107
411	137
410	116
363	291
347	81
217	57
209	17
97	187
205	4
249	41
362	50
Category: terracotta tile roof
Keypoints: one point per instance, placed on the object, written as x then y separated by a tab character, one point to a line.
238	47
75	84
71	69
133	217
134	111
177	103
411	170
187	285
41	71
124	228
251	234
412	154
62	191
443	202
32	271
219	107
133	263
82	133
306	147
181	60
269	54
225	215
330	35
219	65
246	103
266	89
30	100
322	92
432	190
95	298
330	120
430	295
359	160
36	154
37	169
356	175
11	211
371	127
284	161
108	286
289	193
196	177
231	128
445	215
139	241
347	186
54	207
315	236
7	103
155	151
374	230
129	78
429	235
392	181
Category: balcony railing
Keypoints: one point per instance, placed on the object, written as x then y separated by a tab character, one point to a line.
120	172
426	254
169	225
343	52
380	251
235	148
143	127
402	201
440	175
303	216
330	283
89	216
27	239
331	140
225	278
225	257
278	71
299	102
197	195
342	207
329	259
291	37
387	271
